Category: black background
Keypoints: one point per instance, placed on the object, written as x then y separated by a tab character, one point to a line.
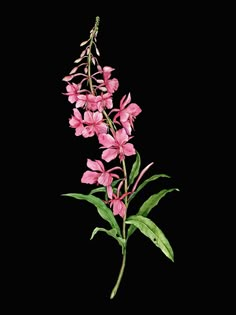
166	56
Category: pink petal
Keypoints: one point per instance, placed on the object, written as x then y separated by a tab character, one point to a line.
79	130
97	116
133	109
109	192
122	102
122	210
129	149
127	101
109	154
127	127
77	114
109	103
124	115
88	117
112	85
101	128
88	131
95	165
105	179
107	72
121	136
91	98
79	103
119	208
74	123
106	140
72	98
90	177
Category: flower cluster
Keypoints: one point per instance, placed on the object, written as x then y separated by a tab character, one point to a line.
91	93
90	88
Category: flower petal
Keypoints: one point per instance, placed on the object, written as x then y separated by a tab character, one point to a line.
121	136
119	208
129	149
77	114
105	179
95	165
133	109
109	154
127	126
106	140
90	177
109	192
79	130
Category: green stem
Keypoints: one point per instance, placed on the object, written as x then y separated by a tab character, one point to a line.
113	128
93	34
126	199
113	292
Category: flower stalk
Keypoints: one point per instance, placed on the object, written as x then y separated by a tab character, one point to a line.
95	115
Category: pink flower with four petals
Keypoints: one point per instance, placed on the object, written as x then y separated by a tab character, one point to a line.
116	145
76	122
119	208
100	175
73	91
126	113
95	124
111	84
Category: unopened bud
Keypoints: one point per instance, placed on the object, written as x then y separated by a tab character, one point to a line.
85	42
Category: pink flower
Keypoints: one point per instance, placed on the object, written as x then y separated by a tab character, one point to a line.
119	208
95	124
104	101
111	84
73	91
77	122
89	100
101	177
116	146
127	114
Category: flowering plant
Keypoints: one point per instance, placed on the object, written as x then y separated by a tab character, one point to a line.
90	87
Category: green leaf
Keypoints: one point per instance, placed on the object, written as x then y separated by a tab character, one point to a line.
113	233
144	183
99	189
149	204
135	169
153	232
103	210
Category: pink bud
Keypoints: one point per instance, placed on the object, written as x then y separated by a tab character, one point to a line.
83	43
93	60
83	53
97	51
78	60
68	78
74	70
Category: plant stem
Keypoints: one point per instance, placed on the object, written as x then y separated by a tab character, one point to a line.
113	292
93	34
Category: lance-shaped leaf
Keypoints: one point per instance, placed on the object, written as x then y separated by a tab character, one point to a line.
153	232
135	169
112	233
99	189
149	204
103	210
144	183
